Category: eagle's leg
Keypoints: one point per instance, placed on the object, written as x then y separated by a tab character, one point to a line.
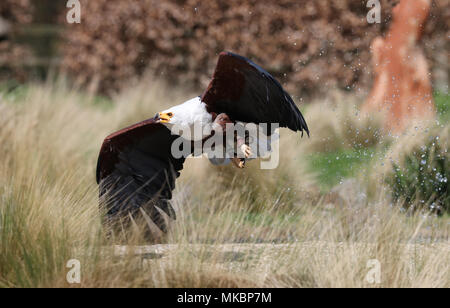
244	151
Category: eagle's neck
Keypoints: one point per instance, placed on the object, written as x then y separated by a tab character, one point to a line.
192	118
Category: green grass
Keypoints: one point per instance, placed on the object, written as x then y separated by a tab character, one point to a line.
442	102
333	167
13	91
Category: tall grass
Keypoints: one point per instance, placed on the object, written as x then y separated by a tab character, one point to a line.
250	228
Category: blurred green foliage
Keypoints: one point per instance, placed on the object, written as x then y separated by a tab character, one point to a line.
442	102
333	167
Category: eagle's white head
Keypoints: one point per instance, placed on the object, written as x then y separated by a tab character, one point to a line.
185	117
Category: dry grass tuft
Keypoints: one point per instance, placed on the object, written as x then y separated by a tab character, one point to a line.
337	124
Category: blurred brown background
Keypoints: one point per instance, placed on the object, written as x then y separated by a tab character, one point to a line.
311	46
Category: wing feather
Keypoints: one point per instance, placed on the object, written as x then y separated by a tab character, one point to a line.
248	93
135	169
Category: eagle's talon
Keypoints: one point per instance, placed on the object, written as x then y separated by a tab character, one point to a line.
246	150
238	162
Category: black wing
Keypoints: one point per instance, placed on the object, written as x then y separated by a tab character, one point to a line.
136	170
248	93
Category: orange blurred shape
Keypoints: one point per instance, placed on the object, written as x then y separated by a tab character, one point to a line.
402	88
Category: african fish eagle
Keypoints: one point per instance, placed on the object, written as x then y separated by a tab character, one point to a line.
136	170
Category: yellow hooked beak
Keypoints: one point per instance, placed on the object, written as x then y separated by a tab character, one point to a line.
163	117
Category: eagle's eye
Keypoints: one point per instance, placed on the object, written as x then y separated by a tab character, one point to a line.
170	114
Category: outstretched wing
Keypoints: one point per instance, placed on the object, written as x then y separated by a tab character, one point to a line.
136	170
248	93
